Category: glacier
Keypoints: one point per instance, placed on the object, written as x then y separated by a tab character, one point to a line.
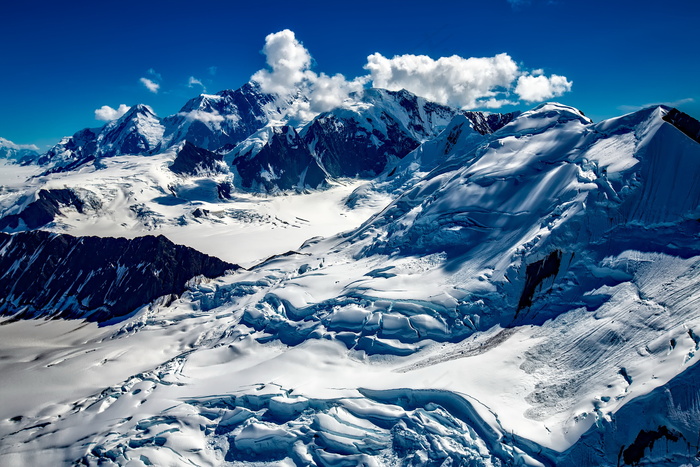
491	290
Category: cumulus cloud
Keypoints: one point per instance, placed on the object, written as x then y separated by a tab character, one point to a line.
9	144
150	85
537	87
467	83
107	113
192	82
289	62
456	81
212	119
289	72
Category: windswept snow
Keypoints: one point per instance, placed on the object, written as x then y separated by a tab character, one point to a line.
507	299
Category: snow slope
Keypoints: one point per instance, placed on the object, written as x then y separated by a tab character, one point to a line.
516	298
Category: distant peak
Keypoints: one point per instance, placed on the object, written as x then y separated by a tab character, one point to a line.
139	109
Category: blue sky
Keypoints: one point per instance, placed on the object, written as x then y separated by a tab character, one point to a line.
60	61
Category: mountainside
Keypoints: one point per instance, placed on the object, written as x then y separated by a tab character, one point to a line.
139	131
373	128
357	140
517	289
226	118
276	158
93	278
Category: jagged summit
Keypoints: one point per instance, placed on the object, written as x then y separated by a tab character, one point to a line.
375	125
138	131
226	118
684	122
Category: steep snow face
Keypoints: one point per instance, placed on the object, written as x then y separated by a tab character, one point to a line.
372	130
526	294
138	131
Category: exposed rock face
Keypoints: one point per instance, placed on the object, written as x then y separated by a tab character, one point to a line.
225	118
93	278
535	274
139	131
359	141
283	162
495	122
387	124
43	210
346	148
684	122
191	160
73	150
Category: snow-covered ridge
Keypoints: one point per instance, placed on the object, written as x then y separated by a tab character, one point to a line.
513	297
376	125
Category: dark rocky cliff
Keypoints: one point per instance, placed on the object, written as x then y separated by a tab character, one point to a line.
44	210
43	274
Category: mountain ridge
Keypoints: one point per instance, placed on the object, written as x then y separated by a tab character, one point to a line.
515	292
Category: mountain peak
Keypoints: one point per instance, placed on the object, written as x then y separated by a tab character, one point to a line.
562	109
138	109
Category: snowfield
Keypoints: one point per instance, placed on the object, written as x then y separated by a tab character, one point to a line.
523	297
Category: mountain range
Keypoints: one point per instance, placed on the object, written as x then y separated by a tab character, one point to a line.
391	282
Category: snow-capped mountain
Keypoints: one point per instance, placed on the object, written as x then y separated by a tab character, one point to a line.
213	121
502	290
359	139
274	159
139	131
374	128
17	152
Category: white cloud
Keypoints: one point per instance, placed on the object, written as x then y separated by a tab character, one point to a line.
289	61
494	103
155	74
634	108
9	144
150	85
467	83
212	70
211	118
330	91
107	113
456	81
194	81
533	88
